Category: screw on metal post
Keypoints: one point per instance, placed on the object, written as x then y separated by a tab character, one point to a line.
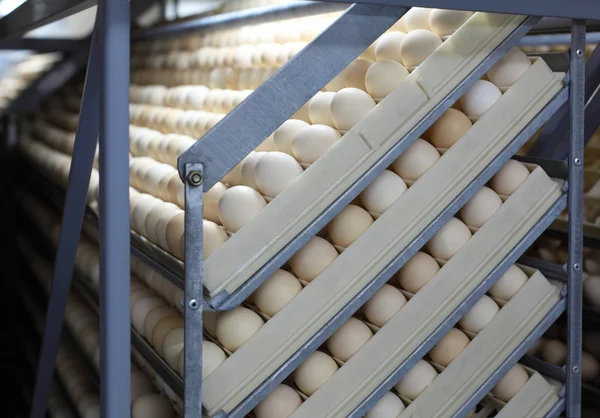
579	53
576	267
193	304
195	178
575	369
577	161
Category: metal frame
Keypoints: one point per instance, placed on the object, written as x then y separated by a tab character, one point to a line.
208	160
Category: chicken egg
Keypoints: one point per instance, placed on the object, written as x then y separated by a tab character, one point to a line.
383	192
479	315
238	206
384	76
314	372
509	283
479	98
276	292
349	106
312	142
348	225
383	305
591	290
449	128
236	327
319	109
348	339
212	357
417	272
445	22
415	160
280	403
355	74
511	383
388	46
416	380
275	171
554	352
449	239
417	18
284	135
509	68
480	207
509	178
313	258
417	46
152	405
449	347
389	406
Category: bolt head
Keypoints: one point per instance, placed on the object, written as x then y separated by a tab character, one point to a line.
195	178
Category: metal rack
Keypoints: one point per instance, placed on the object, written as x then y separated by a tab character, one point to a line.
104	112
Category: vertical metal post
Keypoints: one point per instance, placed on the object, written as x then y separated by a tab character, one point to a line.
115	337
574	313
194	303
75	201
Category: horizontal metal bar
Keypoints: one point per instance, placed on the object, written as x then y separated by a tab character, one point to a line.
547	369
559	62
246	17
40	45
512	359
35	13
554	168
549	270
559	230
279	97
233	300
556	39
573	9
459	312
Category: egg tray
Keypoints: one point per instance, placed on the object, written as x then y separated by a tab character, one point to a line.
536	398
491	354
402	229
406	338
391	124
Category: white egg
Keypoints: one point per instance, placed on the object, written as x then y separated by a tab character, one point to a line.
479	98
212	357
509	68
388	46
210	208
416	160
449	347
234	177
140	385
449	239
284	135
383	192
592	262
509	283
554	352
511	383
349	106
416	380
275	171
590	368
280	403
509	178
480	207
337	83
417	46
276	292
479	315
348	339
236	327
389	406
212	238
238	206
348	225
449	128
417	272
162	328
355	74
155	316
152	405
384	76
417	18
534	350
591	290
445	22
319	109
383	305
210	322
173	346
314	372
141	309
312	142
174	232
248	169
312	259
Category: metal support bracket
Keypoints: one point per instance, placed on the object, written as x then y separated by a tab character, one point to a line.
194	298
75	202
574	284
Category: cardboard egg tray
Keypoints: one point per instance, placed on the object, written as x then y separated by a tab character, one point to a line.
390	234
359	149
422	315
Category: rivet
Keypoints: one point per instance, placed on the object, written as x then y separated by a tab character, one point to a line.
579	53
575	369
193	304
577	161
576	267
195	178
